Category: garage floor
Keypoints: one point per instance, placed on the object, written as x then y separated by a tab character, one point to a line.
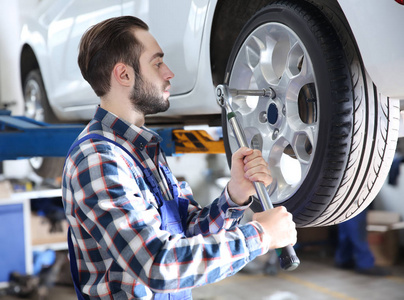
315	279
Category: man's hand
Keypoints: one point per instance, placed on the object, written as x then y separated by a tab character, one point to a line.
278	224
247	166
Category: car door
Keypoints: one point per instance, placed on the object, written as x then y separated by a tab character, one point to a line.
178	28
66	27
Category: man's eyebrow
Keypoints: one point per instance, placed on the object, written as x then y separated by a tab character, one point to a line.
158	54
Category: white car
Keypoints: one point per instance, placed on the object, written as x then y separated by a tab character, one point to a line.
335	66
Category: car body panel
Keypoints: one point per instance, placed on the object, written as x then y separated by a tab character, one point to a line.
180	40
186	46
10	83
377	26
55	40
53	28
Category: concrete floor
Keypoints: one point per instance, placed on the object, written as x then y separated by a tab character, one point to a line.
315	279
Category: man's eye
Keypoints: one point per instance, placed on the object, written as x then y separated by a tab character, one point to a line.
159	64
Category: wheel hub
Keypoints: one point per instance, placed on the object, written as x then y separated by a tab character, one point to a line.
272	114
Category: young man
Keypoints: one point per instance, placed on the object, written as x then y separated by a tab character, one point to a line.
137	232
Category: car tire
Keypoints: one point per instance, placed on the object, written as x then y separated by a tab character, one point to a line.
329	136
37	107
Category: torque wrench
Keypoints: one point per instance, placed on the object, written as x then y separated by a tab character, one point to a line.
287	255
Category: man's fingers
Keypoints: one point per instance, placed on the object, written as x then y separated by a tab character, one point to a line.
256	168
241	153
260	177
252	155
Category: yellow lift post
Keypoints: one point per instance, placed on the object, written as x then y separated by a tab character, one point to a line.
196	141
181	141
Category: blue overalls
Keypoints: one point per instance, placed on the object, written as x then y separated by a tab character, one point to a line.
173	215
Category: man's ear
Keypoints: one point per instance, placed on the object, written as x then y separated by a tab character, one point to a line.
123	75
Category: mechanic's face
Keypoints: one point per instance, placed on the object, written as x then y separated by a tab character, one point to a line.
151	89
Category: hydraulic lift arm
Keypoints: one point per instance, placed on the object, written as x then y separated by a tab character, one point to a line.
22	137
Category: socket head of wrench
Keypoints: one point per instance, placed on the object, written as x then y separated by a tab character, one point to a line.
223	96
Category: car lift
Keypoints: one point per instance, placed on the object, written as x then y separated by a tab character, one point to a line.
22	137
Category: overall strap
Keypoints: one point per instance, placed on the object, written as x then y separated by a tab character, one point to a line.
73	266
170	181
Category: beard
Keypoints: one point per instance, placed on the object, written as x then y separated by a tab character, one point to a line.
147	99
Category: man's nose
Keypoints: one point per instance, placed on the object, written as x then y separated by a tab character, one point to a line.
168	74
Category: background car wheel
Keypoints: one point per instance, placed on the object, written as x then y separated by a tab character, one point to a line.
328	135
37	108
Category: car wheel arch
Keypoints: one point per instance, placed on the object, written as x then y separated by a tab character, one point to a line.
28	62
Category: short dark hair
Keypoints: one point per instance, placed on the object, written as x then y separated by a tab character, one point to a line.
104	45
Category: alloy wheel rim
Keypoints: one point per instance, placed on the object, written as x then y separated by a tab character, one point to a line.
34	110
285	128
32	97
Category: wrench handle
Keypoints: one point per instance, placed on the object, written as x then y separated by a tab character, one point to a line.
287	256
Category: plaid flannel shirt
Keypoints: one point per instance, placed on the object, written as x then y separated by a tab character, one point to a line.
120	249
